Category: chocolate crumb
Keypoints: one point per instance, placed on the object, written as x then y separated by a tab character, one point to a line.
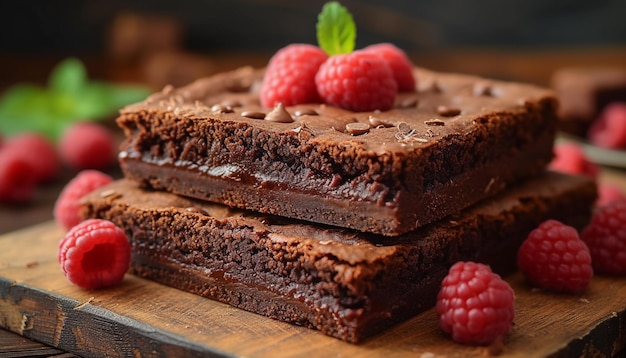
279	114
448	111
196	210
253	114
89	300
357	128
435	122
404	128
32	264
306	112
304	128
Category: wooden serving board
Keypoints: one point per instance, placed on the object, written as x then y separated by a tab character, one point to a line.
141	318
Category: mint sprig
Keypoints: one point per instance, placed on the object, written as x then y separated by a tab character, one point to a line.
68	97
336	31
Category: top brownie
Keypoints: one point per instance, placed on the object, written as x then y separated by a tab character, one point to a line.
456	140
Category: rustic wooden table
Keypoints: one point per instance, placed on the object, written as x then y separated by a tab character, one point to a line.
530	66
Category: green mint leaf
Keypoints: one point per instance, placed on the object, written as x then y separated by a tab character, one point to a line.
336	31
69	76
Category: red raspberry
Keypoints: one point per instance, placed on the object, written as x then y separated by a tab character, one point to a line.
608	193
399	63
38	151
17	177
570	158
359	81
94	254
68	202
609	130
86	145
290	76
554	258
474	304
606	238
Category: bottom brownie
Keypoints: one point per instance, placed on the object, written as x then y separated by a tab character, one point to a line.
344	283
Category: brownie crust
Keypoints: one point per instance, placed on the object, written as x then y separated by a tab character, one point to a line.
457	140
345	283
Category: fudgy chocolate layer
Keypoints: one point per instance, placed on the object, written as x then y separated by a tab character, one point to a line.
345	283
457	140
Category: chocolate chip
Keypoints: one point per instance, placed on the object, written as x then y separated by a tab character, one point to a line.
279	114
448	111
196	210
379	123
253	114
357	128
306	112
218	108
435	122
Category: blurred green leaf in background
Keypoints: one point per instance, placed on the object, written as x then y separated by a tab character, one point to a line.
69	97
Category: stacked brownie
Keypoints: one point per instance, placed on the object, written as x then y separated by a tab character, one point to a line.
340	221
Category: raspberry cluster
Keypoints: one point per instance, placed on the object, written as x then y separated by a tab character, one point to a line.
363	80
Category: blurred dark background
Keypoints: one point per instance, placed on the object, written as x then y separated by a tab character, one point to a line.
77	26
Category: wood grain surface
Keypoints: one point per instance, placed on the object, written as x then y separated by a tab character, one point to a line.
141	318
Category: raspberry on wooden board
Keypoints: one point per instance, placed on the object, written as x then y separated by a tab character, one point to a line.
94	254
475	305
67	204
606	238
553	257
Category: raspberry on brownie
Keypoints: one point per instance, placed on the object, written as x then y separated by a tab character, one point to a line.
457	140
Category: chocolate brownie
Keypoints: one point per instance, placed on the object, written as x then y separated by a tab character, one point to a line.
345	283
455	141
584	92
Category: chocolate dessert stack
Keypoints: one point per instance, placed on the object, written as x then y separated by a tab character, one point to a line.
341	221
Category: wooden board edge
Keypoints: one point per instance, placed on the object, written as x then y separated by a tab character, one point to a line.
84	329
